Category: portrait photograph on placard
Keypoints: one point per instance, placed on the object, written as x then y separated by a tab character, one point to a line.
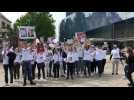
27	32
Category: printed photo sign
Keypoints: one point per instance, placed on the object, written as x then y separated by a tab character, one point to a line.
81	36
50	40
27	32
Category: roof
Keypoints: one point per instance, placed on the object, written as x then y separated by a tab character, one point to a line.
1	15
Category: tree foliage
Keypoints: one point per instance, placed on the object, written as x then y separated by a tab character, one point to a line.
42	21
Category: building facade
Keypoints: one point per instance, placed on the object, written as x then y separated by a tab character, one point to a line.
122	31
5	25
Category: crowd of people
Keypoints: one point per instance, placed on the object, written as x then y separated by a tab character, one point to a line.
67	60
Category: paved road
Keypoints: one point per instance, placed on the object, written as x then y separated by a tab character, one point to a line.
107	80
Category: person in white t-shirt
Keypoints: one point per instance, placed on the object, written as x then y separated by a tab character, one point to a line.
26	63
70	62
88	58
50	59
56	66
33	52
17	62
98	59
76	57
104	58
115	55
40	58
5	64
80	52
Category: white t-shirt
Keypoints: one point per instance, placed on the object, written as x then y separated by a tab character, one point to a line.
40	57
26	54
115	53
5	57
104	54
87	55
80	51
76	56
56	58
70	57
49	55
18	57
99	54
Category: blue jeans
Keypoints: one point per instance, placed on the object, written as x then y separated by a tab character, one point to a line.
27	68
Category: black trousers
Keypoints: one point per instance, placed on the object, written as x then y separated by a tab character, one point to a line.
76	68
99	65
70	70
56	70
64	66
41	66
87	65
80	65
16	70
103	64
50	68
33	70
10	68
129	77
128	73
93	66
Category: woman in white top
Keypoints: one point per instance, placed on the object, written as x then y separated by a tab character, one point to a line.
115	55
5	64
70	62
17	62
98	59
88	58
40	58
56	59
76	57
80	52
50	58
104	58
33	52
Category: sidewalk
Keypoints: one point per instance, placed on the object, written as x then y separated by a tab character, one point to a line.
107	80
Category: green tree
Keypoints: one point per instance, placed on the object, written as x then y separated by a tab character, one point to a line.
43	22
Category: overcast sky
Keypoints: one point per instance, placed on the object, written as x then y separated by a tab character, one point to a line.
58	16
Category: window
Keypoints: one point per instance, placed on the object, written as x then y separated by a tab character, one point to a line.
3	25
8	26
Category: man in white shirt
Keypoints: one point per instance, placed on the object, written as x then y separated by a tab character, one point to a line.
26	64
115	55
